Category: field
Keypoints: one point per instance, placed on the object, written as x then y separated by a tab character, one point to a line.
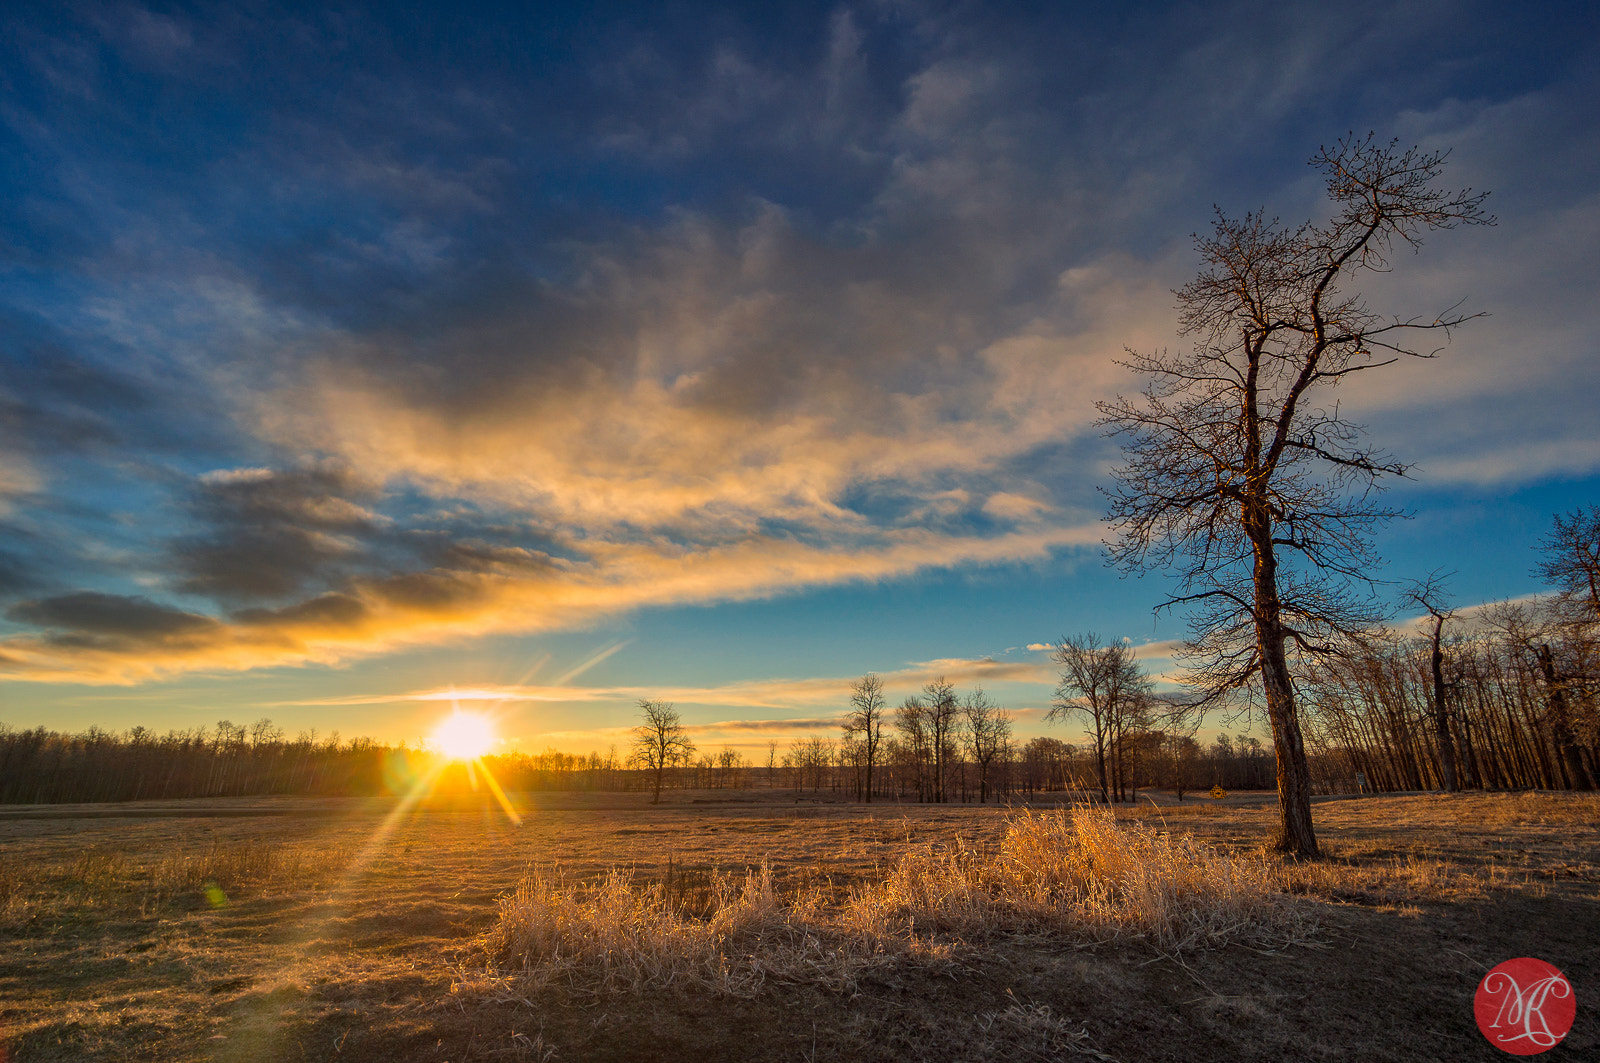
737	925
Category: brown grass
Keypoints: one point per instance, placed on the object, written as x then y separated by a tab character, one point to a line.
13	883
833	932
1080	876
1530	808
99	877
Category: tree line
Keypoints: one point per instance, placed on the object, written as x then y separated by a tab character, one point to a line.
1507	704
1508	698
41	766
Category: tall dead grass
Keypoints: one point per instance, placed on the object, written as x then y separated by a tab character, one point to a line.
1080	875
97	878
256	866
1086	875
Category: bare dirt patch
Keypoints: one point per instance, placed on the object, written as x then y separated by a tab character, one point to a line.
307	929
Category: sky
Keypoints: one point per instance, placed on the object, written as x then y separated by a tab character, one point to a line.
550	357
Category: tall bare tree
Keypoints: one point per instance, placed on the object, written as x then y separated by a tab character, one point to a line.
944	721
1240	475
659	741
911	720
1105	687
864	722
988	732
1430	595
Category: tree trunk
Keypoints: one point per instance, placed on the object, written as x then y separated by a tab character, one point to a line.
1296	836
1441	716
1100	761
1560	726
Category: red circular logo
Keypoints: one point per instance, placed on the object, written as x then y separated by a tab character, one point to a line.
1525	1006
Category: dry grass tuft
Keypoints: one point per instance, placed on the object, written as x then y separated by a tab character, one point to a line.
1084	874
1031	1028
620	934
1080	875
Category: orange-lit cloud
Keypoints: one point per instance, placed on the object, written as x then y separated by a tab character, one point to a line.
460	407
114	639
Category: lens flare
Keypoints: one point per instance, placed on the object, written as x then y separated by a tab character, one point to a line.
464	736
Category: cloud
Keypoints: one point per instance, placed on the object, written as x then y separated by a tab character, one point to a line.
678	319
1161	650
269	532
1470	619
387	613
779	726
778	694
92	623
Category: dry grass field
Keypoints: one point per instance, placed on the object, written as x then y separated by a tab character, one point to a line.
746	925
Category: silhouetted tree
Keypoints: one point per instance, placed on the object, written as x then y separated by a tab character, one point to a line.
1104	686
988	734
864	722
943	720
1430	595
659	741
1572	560
1239	475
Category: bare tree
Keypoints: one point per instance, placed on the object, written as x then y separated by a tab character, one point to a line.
1105	686
1180	755
1536	630
1572	561
911	720
988	733
1239	475
1430	595
944	720
659	741
864	720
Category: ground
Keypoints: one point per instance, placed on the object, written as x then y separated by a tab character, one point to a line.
268	929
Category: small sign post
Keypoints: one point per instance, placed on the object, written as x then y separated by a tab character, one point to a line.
1218	791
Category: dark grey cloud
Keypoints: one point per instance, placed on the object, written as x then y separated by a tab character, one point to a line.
60	396
268	533
111	617
330	611
15	574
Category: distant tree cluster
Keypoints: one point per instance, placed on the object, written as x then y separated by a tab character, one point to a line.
39	766
1126	721
941	745
1509	704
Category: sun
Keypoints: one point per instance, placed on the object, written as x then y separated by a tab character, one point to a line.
464	735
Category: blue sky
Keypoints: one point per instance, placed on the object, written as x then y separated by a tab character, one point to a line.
349	356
